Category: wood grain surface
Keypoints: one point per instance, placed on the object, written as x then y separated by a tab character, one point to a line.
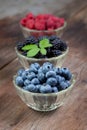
14	114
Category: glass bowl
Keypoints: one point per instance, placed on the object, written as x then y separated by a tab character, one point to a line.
56	61
43	102
27	32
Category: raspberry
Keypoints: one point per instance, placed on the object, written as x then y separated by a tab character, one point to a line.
62	21
40	16
50	23
30	24
23	21
30	16
39	26
56	53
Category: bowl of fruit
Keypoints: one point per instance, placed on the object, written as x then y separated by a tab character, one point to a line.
43	87
42	24
42	49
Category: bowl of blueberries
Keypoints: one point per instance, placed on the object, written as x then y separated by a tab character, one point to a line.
43	87
42	49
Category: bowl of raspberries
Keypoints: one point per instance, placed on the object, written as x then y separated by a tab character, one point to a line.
43	87
42	24
42	49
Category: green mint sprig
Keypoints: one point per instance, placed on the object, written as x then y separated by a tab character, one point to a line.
34	49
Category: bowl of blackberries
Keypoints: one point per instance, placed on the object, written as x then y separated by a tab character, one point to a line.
42	49
43	87
42	24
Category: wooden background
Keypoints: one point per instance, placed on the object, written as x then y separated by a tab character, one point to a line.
14	114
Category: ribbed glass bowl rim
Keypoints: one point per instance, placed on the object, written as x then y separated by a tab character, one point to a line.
47	94
31	30
35	59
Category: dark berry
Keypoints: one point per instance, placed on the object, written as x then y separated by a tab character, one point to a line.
53	37
30	40
24	53
20	45
56	53
63	46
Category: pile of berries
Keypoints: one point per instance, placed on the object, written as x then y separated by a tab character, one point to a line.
42	22
58	46
44	79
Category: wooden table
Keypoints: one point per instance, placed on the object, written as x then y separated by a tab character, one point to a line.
14	114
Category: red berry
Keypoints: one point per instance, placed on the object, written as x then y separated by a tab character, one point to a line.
40	16
39	26
30	16
50	23
62	21
30	24
23	21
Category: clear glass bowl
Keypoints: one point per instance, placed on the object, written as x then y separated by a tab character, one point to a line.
44	102
27	32
56	61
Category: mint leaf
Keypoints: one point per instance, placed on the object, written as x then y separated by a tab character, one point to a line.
44	43
28	47
33	52
43	51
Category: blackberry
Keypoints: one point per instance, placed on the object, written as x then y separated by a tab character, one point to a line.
49	52
42	37
24	53
39	55
20	45
56	44
53	37
56	53
30	39
63	46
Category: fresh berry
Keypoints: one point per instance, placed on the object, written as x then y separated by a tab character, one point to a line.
30	24
33	68
63	85
20	45
20	71
32	88
59	79
24	53
41	77
47	67
31	76
56	53
53	37
63	46
27	82
45	89
54	89
30	40
35	81
19	81
66	73
24	75
50	74
52	81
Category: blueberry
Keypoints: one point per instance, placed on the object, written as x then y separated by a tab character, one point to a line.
54	89
68	82
52	81
47	66
45	89
38	87
59	79
19	81
37	66
24	75
50	74
27	82
35	81
41	77
59	71
31	76
63	85
40	70
31	88
20	72
66	73
33	68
